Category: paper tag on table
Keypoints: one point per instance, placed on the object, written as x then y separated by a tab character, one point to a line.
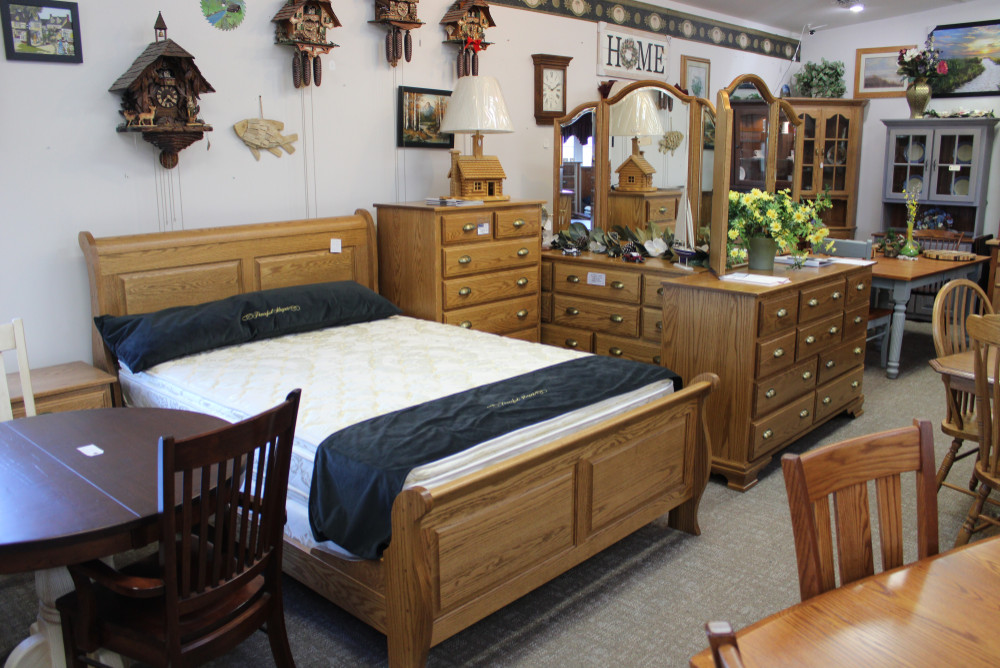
756	279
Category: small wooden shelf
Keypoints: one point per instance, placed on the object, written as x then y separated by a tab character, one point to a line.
71	386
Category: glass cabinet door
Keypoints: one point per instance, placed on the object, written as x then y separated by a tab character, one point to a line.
811	153
953	165
784	153
909	159
836	132
749	145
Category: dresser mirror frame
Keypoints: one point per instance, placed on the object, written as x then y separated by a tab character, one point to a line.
559	221
779	112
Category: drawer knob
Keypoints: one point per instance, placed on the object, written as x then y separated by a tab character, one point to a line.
572	279
836	295
807	375
465	259
857	320
656	359
617	352
465	292
804	413
519	223
617	318
467	324
468	227
659	325
659	290
826	401
854	385
779	352
522	314
617	285
860	287
767	434
813	303
810	339
572	343
521	282
523	252
830	364
572	310
834	330
782	312
770	393
663	209
857	351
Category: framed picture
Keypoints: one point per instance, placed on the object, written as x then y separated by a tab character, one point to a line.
875	72
41	30
694	75
972	51
418	118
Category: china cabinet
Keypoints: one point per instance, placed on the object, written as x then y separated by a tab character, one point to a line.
946	162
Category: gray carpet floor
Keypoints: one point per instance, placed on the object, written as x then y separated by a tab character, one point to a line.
643	601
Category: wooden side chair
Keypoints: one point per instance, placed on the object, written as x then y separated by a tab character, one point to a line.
722	640
841	472
955	302
985	334
12	338
939	239
217	577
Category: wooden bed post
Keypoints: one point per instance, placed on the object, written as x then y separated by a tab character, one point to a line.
408	598
685	516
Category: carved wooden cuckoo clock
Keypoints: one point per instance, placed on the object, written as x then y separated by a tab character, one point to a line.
160	97
465	24
401	17
303	24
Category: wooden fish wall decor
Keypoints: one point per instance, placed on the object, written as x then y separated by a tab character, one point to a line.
303	25
264	134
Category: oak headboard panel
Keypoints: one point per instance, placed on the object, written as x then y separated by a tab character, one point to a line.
148	272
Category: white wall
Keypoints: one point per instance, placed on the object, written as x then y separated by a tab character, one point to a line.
65	169
842	43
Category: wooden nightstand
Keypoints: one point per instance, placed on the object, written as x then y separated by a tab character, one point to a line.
64	387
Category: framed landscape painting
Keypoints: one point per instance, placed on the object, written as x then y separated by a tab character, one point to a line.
972	51
42	31
875	72
419	116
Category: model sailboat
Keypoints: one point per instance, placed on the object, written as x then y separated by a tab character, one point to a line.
684	238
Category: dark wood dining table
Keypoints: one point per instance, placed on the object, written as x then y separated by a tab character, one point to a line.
939	611
76	486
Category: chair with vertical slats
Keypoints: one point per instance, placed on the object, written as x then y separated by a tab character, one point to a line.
722	640
841	472
12	338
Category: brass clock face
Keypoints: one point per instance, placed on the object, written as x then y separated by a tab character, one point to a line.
552	90
401	8
167	97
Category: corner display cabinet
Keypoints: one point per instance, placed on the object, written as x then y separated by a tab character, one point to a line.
831	151
947	161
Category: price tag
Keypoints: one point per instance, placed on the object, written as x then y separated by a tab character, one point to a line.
594	278
954	168
483	229
90	450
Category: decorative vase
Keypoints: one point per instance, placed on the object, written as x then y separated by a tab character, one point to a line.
918	94
761	252
910	249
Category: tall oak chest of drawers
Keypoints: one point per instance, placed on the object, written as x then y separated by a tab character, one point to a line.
789	357
474	266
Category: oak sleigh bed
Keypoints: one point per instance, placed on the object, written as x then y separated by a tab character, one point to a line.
444	569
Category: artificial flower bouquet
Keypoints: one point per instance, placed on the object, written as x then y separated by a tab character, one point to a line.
776	215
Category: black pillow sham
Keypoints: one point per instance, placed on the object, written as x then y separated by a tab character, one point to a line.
144	340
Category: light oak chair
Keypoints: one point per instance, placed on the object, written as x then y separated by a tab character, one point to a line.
722	640
217	577
841	472
12	338
985	333
954	303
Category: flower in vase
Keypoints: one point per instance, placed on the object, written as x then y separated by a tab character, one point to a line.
926	63
775	215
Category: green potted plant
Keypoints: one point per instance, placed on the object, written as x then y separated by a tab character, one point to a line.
825	79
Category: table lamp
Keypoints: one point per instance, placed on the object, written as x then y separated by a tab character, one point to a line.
633	116
477	107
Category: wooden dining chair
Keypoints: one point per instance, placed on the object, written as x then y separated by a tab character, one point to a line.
12	338
217	576
722	640
954	303
939	239
984	331
840	472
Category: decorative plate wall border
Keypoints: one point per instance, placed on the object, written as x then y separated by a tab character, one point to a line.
664	21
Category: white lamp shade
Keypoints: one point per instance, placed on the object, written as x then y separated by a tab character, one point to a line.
635	115
477	105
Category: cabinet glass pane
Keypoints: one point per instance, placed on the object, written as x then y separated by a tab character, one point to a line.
908	158
785	162
953	180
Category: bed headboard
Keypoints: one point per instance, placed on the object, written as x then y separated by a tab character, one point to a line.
148	272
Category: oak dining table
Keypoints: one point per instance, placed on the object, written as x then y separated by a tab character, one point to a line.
939	611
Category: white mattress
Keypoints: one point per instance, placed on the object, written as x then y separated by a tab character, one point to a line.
353	373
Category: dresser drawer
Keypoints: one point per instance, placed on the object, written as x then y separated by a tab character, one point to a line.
777	314
652	324
661	208
472	259
568	337
835	362
467	226
77	400
819	336
482	288
530	334
821	300
777	390
499	317
652	290
599	316
832	397
633	349
775	429
523	222
612	284
775	354
856	322
859	289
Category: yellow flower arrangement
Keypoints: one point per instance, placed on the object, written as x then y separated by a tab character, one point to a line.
775	215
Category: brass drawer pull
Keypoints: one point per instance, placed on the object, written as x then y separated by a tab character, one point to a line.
468	227
779	352
659	291
770	393
572	279
813	302
804	413
521	282
465	259
810	339
572	343
826	401
617	352
834	330
659	325
467	324
617	285
522	314
519	223
656	359
617	318
767	434
807	375
831	364
572	310
854	385
857	320
663	209
836	295
523	252
782	312
860	287
857	351
465	292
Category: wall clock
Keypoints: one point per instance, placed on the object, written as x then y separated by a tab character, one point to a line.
550	87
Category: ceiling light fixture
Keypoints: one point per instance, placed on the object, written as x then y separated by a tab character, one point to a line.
853	5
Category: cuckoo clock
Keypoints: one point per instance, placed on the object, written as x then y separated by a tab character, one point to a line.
302	25
465	24
401	17
160	96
